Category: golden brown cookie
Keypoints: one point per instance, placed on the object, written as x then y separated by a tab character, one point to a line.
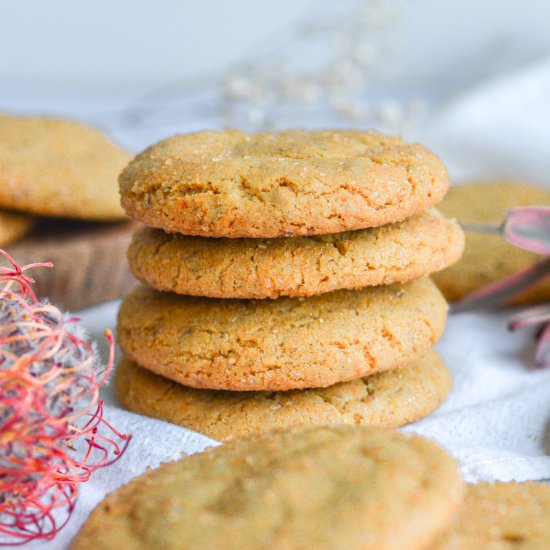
389	399
501	516
283	344
295	266
61	168
13	226
231	184
338	487
488	258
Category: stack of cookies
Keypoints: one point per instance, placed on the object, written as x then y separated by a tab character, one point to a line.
285	281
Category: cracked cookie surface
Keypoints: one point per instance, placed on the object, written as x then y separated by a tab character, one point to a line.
283	344
54	167
295	182
295	266
389	399
337	487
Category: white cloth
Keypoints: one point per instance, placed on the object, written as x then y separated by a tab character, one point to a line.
496	421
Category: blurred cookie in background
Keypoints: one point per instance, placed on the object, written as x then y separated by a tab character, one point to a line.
89	260
66	174
500	516
488	258
60	168
13	226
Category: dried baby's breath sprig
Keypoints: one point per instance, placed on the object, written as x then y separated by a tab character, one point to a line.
52	432
336	62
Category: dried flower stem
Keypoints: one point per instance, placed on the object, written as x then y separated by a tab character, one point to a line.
482	228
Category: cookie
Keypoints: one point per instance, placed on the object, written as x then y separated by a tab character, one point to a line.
232	184
389	399
283	344
295	266
57	168
488	258
89	261
13	226
338	487
501	516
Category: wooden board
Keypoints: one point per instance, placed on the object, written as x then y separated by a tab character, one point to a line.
89	261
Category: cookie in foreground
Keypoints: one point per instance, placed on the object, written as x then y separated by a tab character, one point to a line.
295	266
337	487
289	343
295	182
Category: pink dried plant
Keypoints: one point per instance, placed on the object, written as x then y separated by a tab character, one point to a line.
527	228
53	435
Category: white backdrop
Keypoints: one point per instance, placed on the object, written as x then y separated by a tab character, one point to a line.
125	47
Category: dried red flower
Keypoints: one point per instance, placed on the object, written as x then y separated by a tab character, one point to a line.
52	432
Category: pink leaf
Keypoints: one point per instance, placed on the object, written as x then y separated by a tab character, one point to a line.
542	356
503	291
529	228
530	316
